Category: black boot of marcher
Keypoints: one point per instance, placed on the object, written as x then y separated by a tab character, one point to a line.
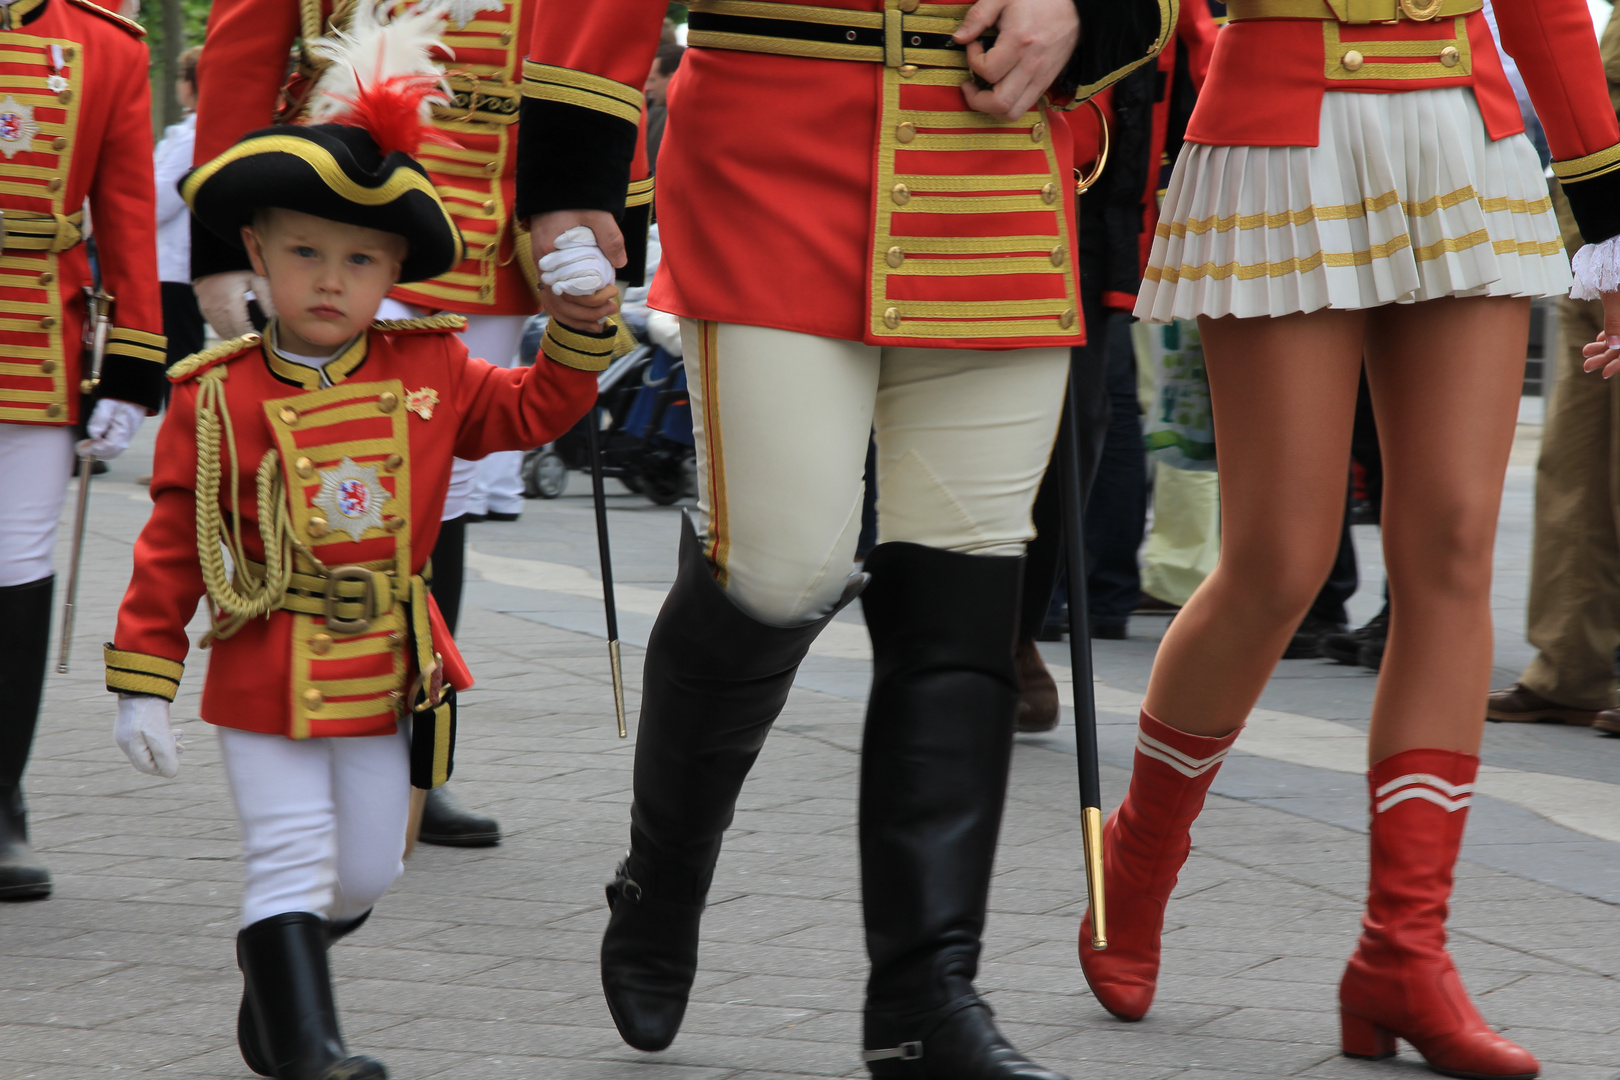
939	734
714	682
25	631
449	824
289	985
247	1025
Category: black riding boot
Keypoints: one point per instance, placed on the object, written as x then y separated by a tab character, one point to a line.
939	732
247	1025
283	959
25	631
449	824
715	680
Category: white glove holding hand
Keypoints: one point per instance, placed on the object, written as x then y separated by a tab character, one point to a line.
144	735
112	425
578	266
223	299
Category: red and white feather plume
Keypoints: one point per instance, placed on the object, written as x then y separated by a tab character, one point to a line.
381	75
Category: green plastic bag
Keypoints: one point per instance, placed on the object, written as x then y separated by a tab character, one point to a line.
1180	426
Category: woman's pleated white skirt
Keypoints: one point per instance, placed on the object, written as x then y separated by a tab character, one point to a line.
1405	198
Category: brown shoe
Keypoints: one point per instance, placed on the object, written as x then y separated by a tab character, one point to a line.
1608	722
1521	705
1037	694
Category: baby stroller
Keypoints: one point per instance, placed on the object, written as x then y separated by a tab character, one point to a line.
646	436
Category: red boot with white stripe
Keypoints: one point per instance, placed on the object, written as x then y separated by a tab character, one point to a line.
1401	981
1145	842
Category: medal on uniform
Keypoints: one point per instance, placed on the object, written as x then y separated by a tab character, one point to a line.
56	82
352	497
17	128
422	402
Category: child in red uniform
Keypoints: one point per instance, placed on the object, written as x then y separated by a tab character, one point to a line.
332	679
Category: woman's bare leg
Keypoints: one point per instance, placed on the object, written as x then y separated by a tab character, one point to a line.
1445	377
1284	393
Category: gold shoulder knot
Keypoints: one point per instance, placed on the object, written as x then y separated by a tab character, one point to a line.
441	324
202	361
129	25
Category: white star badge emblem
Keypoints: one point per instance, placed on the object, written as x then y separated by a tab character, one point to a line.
352	497
17	128
462	12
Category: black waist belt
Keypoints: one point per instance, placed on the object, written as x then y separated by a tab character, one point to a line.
892	38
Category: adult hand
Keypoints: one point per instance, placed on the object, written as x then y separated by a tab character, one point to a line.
1035	39
583	313
223	300
144	735
112	425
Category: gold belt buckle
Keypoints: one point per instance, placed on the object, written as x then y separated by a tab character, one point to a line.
368	599
1421	14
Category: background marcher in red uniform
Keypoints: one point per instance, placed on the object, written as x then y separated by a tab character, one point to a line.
1361	188
856	236
243	86
75	125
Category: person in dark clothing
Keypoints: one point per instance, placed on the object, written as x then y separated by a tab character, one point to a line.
665	64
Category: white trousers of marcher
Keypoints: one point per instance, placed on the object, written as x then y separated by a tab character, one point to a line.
323	820
36	463
498	484
781	421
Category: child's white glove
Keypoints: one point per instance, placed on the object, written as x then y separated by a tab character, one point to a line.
578	266
143	733
112	425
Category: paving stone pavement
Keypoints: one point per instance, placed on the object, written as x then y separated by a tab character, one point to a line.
482	964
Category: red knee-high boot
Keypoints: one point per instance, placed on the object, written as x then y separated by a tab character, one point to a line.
1401	981
1145	842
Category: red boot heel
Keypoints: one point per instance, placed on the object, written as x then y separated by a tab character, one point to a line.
1401	981
1365	1039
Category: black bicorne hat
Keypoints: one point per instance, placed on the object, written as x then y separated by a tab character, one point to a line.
333	171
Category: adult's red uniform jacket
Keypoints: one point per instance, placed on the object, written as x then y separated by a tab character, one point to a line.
75	123
821	171
1276	58
243	86
353	479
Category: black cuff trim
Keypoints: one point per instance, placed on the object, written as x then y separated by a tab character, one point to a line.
141	382
637	221
1116	36
1596	206
572	158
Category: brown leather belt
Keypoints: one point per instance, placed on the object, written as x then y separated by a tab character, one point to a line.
1352	11
20	231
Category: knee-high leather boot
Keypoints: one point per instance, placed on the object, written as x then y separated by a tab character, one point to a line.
247	1024
289	985
715	680
938	743
25	631
1145	843
1401	981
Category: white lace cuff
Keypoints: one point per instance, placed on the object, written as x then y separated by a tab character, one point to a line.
1597	269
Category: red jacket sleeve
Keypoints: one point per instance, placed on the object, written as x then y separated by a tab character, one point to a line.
150	645
583	105
123	208
240	76
1557	53
516	408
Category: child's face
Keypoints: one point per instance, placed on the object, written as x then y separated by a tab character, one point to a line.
327	279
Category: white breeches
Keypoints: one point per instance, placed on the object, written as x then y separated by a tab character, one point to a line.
498	483
323	820
36	464
781	421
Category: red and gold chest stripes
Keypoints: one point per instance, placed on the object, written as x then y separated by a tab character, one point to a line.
40	98
970	238
476	178
345	454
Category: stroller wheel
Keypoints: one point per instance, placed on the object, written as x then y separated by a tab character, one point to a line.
545	474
